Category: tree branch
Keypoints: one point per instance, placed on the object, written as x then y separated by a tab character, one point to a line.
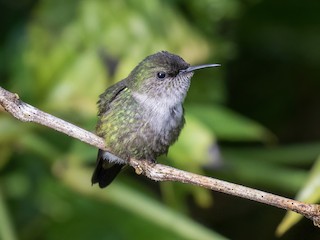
158	172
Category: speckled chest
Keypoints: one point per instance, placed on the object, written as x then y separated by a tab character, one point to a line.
142	127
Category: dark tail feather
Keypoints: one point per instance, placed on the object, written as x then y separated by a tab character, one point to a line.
105	172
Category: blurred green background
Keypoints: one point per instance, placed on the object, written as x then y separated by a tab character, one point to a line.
254	121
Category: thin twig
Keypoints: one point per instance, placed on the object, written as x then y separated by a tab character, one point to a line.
158	172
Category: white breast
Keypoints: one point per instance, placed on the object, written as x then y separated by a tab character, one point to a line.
165	113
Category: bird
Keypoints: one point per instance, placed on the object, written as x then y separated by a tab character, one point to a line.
142	115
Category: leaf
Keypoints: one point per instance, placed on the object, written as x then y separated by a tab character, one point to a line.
194	144
6	227
195	148
310	193
11	130
139	204
300	154
228	125
254	171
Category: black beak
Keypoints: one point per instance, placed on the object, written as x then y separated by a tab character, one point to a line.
193	68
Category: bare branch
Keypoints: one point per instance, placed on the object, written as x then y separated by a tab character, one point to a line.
158	172
27	113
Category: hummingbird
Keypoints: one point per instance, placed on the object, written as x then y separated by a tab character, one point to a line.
141	116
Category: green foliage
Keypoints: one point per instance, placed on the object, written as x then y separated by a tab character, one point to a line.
58	59
309	193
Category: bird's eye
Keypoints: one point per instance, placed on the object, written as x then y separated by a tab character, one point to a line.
161	75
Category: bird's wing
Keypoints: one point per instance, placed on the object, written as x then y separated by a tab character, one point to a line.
105	171
106	98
